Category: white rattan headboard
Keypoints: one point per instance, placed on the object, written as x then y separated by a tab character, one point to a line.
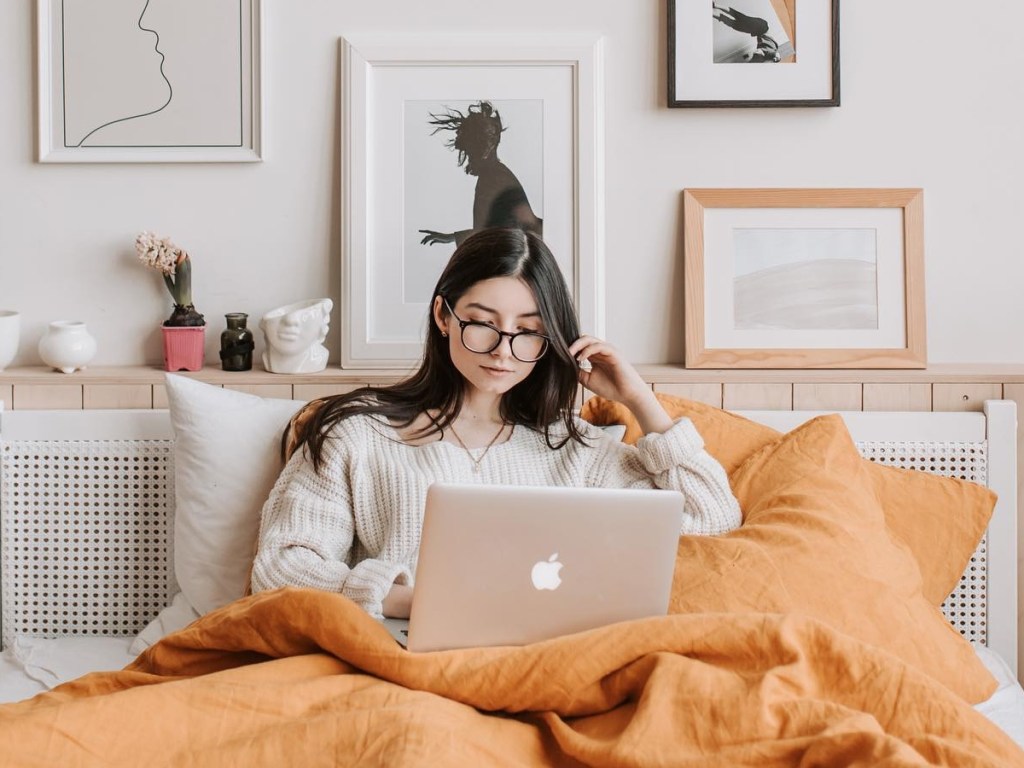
86	521
86	513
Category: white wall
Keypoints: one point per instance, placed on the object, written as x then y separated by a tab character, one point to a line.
930	98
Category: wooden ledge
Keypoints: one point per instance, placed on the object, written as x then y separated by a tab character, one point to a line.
661	373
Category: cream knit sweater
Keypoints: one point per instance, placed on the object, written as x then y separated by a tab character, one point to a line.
354	527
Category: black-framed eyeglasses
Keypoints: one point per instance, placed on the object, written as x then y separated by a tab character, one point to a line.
526	346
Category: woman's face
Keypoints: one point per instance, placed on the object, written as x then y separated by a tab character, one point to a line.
506	303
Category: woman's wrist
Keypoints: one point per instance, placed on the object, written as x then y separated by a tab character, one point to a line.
640	398
649	412
397	603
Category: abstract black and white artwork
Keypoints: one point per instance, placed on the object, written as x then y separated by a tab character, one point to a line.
753	31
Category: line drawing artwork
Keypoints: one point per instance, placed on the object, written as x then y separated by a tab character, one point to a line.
170	88
805	279
441	208
152	73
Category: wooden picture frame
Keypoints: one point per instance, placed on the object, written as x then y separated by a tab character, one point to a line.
793	44
804	278
153	83
408	196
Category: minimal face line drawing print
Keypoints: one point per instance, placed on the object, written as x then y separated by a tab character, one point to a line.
499	199
753	31
151	55
820	279
149	80
70	141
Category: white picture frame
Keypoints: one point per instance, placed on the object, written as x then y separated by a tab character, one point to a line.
392	87
166	83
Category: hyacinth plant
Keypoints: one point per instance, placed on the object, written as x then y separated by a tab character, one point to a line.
176	267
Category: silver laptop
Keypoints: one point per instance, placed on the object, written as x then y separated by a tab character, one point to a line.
510	565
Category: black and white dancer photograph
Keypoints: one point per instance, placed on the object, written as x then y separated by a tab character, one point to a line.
470	165
753	31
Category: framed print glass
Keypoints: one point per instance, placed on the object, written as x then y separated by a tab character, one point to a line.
444	137
793	46
145	81
804	278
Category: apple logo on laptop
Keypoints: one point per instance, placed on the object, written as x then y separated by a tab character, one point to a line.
545	573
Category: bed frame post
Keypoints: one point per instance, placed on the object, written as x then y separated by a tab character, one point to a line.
1001	421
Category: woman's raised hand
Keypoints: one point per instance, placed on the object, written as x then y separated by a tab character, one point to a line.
605	372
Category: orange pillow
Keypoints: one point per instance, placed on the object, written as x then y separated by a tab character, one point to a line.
814	542
941	519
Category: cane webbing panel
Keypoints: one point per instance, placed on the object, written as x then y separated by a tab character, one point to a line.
85	536
967	605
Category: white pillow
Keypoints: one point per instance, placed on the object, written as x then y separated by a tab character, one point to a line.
227	455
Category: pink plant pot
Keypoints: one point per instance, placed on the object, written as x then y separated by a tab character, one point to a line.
183	348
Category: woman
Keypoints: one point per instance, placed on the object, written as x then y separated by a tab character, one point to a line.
490	403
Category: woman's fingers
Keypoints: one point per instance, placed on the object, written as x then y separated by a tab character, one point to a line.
581	343
587	347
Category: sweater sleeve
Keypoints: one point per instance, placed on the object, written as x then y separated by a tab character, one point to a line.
673	460
307	533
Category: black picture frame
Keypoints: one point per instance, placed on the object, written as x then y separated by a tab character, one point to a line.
680	96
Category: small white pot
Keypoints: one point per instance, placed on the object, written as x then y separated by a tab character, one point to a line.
67	346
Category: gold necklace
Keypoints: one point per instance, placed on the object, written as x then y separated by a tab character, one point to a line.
474	459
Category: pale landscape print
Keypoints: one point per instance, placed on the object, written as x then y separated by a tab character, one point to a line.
805	279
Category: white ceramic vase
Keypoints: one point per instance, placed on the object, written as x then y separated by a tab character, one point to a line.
10	331
67	346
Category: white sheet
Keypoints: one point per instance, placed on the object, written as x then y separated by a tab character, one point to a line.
1005	708
33	665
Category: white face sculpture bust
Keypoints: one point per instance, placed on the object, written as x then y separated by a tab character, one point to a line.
294	335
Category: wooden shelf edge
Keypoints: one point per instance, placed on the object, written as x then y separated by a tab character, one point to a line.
658	373
666	373
40	375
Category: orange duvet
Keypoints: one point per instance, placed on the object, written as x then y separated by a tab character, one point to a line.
305	678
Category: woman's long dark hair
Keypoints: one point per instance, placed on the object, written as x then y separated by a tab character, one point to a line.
542	399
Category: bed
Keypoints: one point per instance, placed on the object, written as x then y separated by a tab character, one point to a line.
88	561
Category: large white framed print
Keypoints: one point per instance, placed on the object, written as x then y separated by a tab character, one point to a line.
144	81
413	111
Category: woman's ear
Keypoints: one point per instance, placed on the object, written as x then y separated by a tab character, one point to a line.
439	318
